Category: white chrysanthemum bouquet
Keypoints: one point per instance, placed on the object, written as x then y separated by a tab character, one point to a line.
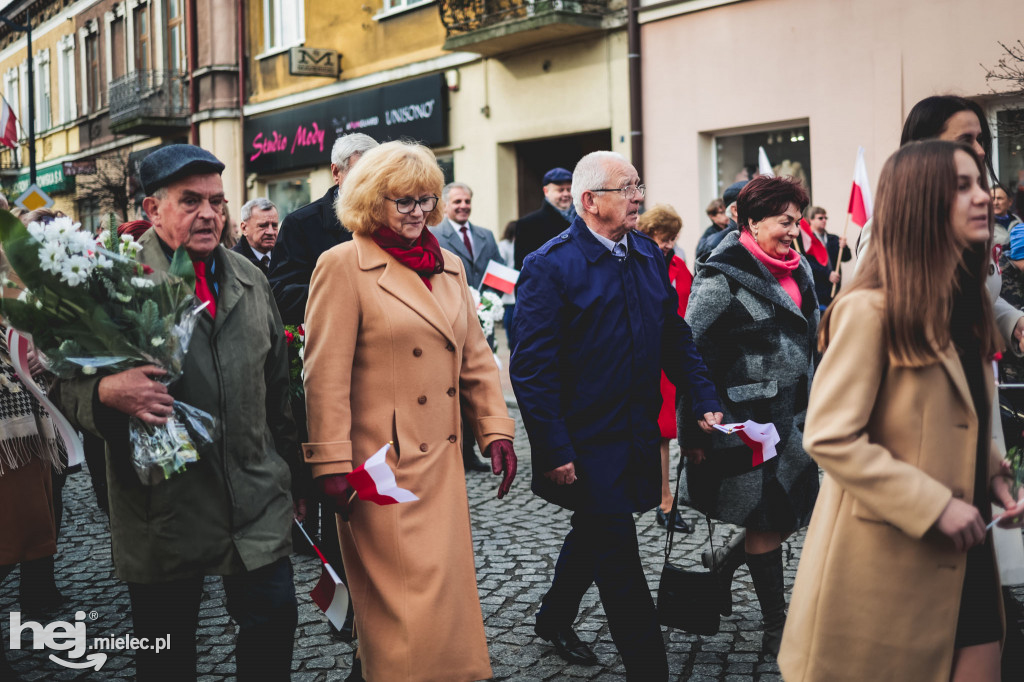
489	309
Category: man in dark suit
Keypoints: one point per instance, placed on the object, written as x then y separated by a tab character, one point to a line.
827	276
476	247
554	215
309	231
596	322
259	232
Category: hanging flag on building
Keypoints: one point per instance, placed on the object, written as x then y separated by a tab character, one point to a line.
8	125
764	166
760	438
861	204
500	277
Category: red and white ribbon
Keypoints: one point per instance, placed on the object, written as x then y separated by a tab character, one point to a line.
18	346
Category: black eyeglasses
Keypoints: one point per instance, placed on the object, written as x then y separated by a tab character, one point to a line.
629	191
408	204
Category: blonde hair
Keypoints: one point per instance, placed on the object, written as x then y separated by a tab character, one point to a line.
391	171
660	219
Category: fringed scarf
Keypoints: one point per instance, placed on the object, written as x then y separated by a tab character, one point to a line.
26	431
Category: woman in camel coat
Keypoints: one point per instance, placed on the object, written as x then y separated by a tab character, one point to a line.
897	580
392	341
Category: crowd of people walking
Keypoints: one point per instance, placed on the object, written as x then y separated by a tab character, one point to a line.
879	386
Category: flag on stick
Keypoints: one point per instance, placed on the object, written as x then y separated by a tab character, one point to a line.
500	277
374	481
812	246
861	205
8	125
760	438
764	166
330	594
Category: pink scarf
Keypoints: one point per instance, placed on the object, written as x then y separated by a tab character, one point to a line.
782	270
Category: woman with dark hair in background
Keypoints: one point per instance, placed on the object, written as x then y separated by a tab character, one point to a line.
754	317
897	572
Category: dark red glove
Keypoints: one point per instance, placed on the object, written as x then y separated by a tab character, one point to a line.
503	460
335	489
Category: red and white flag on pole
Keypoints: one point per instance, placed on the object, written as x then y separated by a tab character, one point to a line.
500	277
764	166
8	125
861	204
374	481
330	594
760	438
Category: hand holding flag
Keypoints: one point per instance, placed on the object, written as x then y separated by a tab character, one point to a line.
374	481
760	438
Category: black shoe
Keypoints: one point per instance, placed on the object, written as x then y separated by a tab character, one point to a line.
725	562
570	647
475	464
681	526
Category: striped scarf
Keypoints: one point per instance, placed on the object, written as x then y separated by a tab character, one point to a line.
26	431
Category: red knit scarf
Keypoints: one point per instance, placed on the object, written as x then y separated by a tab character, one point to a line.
422	256
781	268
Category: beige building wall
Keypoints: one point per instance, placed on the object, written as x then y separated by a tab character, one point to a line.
851	70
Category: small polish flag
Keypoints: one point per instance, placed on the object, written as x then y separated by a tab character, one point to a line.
330	594
861	204
8	125
500	277
374	481
764	166
761	438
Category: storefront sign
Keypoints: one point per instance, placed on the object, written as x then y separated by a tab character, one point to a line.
84	167
309	61
51	179
303	136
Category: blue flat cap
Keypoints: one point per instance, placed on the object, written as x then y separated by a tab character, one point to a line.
557	175
174	162
733	191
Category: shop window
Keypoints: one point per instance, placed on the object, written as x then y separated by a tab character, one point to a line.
288	194
1009	134
788	150
284	23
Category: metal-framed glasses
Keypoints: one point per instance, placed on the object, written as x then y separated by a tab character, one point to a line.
408	204
629	191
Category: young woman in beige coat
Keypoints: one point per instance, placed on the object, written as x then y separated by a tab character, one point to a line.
392	340
897	579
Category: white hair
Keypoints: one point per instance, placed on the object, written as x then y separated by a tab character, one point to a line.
592	172
452	185
259	204
348	145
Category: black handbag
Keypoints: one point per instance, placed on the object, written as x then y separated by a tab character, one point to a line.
688	600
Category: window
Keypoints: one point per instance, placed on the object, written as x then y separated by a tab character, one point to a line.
398	5
12	93
788	150
176	60
288	194
142	38
66	79
89	214
283	23
117	49
23	93
44	116
93	82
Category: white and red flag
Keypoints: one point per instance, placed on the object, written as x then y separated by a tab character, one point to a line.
500	277
330	594
861	205
760	438
764	166
8	125
374	481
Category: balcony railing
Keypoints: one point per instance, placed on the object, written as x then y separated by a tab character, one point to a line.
149	101
494	26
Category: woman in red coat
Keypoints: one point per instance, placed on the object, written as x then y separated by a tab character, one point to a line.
662	224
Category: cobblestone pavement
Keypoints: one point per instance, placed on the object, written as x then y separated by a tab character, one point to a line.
516	542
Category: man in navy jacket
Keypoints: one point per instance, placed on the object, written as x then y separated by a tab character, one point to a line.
596	326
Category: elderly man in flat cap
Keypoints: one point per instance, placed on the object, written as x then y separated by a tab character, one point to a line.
553	216
230	513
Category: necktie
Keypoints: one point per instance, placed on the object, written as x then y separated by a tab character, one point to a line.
203	292
465	240
619	251
265	264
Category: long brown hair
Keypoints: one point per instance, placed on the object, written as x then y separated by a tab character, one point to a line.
917	260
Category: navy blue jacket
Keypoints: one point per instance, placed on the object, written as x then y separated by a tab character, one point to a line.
593	334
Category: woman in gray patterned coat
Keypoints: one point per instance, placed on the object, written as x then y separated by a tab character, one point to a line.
754	317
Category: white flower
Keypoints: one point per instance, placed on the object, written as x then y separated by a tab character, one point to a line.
36	230
75	270
142	283
103	262
51	256
126	238
123	298
88	369
156	341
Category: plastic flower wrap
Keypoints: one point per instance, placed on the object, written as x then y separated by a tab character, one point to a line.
489	309
89	305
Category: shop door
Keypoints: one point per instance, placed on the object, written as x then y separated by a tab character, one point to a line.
536	157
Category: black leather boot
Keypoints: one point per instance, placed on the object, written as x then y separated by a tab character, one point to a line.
770	586
725	562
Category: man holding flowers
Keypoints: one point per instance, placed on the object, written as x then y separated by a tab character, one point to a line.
230	512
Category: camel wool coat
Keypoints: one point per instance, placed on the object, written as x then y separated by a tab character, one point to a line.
387	359
877	592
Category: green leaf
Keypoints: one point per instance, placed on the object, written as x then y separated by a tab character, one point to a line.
181	267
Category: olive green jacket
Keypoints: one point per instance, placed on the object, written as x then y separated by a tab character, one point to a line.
232	510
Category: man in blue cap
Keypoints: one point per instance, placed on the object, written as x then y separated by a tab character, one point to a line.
708	242
230	513
554	215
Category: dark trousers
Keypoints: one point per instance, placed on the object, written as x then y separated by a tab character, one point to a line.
603	549
262	603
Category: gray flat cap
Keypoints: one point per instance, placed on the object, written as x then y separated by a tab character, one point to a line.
174	162
733	191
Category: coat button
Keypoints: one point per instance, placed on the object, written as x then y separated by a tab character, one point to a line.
450	347
451	392
422	400
417	352
423	447
452	438
958	493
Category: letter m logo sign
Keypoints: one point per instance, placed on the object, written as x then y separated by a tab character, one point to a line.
308	61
